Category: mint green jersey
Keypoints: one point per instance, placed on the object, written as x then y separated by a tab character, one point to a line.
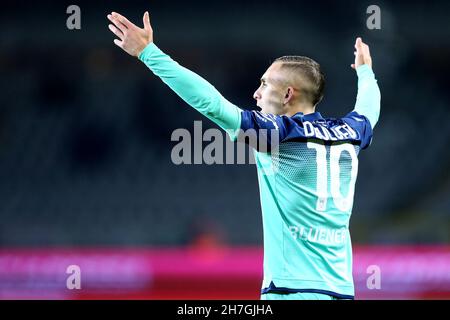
306	175
306	191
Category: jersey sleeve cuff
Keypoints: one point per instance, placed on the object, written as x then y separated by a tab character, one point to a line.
364	71
147	52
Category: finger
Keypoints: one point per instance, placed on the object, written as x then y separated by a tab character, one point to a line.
114	19
353	66
123	20
366	50
117	23
146	20
116	31
358	43
118	43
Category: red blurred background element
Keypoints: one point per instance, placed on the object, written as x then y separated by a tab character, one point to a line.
205	272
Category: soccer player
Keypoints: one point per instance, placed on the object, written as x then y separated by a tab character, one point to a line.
307	201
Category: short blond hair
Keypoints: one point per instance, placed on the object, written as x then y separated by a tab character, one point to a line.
309	71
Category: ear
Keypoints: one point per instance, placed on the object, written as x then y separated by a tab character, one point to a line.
289	94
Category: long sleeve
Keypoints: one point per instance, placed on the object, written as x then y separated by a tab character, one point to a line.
193	89
369	97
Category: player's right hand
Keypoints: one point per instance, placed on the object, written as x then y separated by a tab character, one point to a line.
362	54
132	38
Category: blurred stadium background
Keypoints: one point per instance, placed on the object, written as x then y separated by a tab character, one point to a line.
85	171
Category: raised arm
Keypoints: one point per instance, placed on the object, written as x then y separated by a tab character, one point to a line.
369	97
192	88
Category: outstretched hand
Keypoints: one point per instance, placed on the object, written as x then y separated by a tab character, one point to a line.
362	54
132	38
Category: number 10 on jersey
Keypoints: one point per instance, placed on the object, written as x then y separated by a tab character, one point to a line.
342	202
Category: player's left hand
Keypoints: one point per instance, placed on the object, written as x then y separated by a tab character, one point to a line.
362	54
132	38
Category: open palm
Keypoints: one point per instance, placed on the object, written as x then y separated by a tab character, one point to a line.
132	38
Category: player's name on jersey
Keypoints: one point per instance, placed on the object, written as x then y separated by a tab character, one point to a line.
319	131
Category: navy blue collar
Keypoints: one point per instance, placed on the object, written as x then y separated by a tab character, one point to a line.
309	117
